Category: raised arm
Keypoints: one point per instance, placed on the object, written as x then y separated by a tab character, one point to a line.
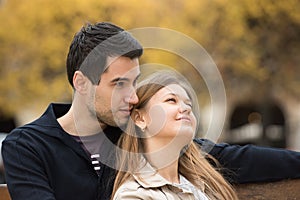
251	163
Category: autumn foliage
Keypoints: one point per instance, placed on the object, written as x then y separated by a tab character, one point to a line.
253	42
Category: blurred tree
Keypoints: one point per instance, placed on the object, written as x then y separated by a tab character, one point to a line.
276	26
34	37
253	42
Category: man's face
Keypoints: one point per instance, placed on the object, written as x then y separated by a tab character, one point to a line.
115	95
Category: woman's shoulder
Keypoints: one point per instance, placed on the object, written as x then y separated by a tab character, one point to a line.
132	190
130	184
129	190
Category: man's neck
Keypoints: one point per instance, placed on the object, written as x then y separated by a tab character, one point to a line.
80	123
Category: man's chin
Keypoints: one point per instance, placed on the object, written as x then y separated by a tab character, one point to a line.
115	122
122	122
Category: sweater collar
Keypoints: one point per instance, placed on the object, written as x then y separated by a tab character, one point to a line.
56	110
47	123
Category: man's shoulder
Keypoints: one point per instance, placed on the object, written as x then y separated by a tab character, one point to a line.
29	130
44	125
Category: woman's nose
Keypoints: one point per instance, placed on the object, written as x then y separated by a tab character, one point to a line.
185	107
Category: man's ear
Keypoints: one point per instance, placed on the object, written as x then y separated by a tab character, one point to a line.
80	82
139	119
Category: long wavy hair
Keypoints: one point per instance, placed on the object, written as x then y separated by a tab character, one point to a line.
192	164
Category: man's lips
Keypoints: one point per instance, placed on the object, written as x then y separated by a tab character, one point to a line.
126	111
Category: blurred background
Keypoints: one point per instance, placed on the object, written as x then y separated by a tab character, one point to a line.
254	43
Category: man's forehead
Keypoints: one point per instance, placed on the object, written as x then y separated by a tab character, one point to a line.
122	67
119	59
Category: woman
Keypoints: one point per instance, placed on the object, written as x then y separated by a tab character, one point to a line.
158	158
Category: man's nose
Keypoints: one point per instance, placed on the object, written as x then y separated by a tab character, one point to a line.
132	98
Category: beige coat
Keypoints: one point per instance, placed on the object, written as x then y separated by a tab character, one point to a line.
147	184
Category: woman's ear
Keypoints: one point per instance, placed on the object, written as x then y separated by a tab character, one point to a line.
80	82
139	119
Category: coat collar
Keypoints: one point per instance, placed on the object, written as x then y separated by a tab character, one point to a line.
148	177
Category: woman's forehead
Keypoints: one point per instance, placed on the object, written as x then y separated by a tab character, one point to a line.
172	89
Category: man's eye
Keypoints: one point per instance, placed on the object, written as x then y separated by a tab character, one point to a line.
120	84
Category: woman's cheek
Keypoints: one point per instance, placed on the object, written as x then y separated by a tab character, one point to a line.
157	119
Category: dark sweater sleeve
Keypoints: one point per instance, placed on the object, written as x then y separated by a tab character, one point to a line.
251	163
24	171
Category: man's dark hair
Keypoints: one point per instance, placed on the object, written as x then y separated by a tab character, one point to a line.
93	44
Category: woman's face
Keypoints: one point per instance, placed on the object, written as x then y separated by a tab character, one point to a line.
169	115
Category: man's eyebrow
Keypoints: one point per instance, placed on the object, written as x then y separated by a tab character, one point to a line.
124	79
119	79
137	77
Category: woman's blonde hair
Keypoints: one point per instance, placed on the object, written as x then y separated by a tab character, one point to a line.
193	165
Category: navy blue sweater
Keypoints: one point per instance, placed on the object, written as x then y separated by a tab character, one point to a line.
42	161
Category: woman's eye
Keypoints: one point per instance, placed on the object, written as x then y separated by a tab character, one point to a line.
190	105
171	100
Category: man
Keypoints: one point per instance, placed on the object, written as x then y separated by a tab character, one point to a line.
2	180
66	153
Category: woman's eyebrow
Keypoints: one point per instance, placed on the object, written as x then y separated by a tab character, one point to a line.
169	93
188	99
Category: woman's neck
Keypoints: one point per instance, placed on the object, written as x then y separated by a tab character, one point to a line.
164	157
170	173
